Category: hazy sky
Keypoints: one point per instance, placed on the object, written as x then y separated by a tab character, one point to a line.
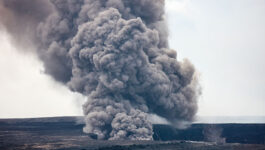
225	40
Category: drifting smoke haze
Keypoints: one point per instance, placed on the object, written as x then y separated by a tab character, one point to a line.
115	52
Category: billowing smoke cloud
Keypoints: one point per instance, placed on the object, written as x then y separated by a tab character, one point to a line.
116	53
21	18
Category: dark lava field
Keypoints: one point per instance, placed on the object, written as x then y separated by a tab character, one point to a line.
66	133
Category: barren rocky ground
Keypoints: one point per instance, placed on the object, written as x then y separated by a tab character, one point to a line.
66	133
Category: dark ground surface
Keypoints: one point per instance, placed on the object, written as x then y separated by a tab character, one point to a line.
232	133
66	133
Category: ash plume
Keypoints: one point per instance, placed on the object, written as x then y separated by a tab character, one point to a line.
116	53
213	133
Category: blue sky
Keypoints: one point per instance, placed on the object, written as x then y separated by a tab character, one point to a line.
225	40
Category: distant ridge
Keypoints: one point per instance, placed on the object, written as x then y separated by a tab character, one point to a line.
199	119
230	119
44	119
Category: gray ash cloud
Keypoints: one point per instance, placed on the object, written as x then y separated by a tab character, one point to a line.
116	53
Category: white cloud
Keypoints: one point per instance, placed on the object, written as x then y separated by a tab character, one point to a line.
177	6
